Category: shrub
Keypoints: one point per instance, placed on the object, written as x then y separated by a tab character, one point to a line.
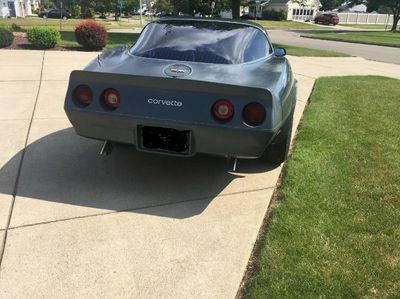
91	35
76	11
16	28
43	37
6	37
275	15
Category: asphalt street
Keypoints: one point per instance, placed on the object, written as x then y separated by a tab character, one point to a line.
377	53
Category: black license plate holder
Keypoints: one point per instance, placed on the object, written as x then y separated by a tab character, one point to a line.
164	140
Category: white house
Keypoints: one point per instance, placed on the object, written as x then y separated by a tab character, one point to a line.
294	9
345	7
17	8
227	14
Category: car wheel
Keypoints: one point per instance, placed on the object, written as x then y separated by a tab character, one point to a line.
64	18
277	152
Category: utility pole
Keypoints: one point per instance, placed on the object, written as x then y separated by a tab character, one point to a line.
61	15
141	13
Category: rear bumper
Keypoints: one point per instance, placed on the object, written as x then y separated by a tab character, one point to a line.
233	142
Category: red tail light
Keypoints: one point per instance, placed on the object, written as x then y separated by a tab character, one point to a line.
111	98
254	114
223	110
83	94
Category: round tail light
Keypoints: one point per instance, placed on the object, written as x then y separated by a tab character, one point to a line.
223	110
83	95
254	114
111	98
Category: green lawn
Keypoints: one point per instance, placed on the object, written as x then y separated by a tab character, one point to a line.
298	51
26	23
67	25
368	26
285	25
134	23
114	39
374	38
335	228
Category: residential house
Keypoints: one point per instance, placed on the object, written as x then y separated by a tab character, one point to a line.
17	8
227	14
294	9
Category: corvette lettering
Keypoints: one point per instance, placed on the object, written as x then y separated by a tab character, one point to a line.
165	102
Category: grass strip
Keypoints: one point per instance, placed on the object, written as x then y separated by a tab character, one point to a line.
299	51
114	39
335	230
285	25
378	38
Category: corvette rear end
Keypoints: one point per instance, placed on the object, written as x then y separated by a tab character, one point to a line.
171	116
185	99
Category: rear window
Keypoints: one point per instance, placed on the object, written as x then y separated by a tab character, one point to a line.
202	41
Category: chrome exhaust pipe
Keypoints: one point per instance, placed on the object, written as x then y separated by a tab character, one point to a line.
232	163
107	148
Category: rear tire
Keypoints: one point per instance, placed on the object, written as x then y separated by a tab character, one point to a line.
277	152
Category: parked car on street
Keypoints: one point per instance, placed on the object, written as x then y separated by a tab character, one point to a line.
163	14
188	86
246	17
327	19
56	14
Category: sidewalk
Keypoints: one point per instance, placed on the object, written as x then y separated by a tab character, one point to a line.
130	225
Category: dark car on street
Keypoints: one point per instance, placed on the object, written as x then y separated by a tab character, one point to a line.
327	19
56	14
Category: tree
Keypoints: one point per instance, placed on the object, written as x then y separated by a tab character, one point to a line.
221	5
46	4
193	7
131	5
236	9
330	4
393	5
103	8
164	6
203	7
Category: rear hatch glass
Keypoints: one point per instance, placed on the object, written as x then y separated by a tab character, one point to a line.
202	41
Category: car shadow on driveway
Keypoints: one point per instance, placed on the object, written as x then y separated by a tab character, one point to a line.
65	168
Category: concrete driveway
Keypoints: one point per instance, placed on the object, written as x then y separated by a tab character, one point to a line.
130	225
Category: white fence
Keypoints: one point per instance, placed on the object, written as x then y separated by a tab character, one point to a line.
365	18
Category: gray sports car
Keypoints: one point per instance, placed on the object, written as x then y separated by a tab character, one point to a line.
189	86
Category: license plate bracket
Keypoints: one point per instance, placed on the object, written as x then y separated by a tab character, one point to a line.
164	140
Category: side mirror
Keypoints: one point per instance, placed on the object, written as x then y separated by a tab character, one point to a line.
279	52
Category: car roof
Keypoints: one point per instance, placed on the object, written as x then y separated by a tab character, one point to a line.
221	20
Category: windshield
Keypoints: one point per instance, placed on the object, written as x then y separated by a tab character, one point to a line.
202	41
